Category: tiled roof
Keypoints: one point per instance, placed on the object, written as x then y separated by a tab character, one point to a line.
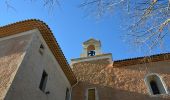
49	38
142	60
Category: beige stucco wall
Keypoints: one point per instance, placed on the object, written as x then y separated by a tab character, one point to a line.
26	83
118	83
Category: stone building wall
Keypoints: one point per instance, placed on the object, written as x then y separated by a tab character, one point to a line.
25	85
118	83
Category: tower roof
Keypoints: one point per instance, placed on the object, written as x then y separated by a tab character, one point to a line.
92	40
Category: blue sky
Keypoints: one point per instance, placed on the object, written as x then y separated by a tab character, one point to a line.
71	27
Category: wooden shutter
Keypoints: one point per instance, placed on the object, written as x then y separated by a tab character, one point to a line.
91	94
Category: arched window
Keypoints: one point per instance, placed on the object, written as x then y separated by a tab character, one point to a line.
67	94
155	84
154	87
91	50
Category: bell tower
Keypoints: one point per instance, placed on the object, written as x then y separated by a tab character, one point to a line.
91	47
92	52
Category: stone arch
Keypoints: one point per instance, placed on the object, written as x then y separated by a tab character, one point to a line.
155	84
91	50
90	47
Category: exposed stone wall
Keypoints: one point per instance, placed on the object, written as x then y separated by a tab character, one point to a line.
27	80
118	83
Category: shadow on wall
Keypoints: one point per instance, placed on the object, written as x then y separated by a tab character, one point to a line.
109	93
14	45
11	51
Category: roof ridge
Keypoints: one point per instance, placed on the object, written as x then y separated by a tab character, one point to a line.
29	24
142	60
143	56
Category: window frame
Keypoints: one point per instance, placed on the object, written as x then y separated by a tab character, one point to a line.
147	83
96	93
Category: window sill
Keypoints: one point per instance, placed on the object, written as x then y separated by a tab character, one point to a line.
159	95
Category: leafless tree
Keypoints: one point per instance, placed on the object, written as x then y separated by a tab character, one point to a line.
149	19
46	3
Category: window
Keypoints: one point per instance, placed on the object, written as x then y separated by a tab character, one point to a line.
91	94
43	81
67	94
91	53
91	50
41	49
154	87
155	84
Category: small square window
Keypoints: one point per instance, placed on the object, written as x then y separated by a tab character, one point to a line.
41	49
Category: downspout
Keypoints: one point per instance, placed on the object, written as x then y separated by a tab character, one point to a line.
73	85
72	88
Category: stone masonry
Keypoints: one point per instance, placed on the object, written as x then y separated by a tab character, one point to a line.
118	83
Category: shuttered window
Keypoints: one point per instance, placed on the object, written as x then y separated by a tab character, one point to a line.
91	94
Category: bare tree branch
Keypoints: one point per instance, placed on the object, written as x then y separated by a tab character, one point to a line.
47	3
9	6
149	19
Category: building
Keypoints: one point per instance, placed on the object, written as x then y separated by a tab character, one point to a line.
33	67
101	78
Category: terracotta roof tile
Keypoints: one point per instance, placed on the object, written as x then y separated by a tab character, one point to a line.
141	60
31	24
